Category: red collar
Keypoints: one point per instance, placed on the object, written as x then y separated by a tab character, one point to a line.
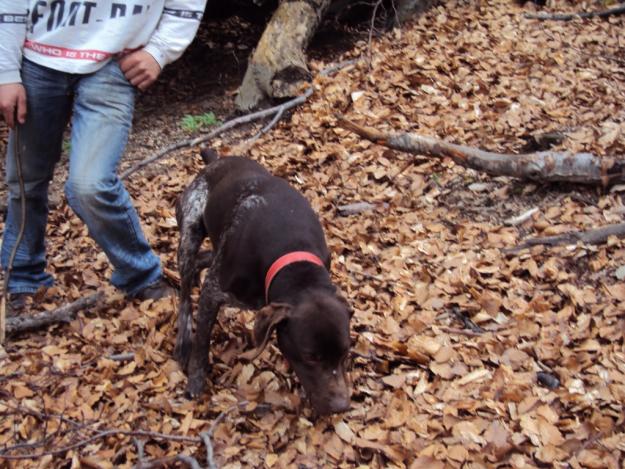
283	261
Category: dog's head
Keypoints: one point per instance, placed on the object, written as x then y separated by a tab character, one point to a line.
313	335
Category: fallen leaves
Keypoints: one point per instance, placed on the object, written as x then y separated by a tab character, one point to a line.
542	382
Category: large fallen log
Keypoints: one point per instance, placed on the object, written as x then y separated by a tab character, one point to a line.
277	67
543	166
616	10
63	314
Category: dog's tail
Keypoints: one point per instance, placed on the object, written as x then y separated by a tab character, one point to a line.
208	155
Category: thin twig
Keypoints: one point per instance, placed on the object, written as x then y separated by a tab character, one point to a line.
455	330
246	145
98	436
140	445
210	461
466	322
269	126
20	235
371	28
136	434
206	436
43	416
332	69
189	460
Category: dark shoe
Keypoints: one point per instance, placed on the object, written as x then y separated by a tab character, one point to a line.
18	301
156	291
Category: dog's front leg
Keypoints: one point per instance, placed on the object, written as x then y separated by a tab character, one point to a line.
211	300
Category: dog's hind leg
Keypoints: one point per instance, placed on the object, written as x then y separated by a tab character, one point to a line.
189	211
203	260
211	300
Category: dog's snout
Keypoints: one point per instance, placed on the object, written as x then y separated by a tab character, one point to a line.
339	404
334	404
331	395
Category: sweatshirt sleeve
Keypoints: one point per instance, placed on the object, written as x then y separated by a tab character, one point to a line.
13	15
179	23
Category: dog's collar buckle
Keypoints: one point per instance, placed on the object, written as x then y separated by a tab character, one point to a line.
287	259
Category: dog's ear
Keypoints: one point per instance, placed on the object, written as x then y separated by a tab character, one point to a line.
348	307
267	320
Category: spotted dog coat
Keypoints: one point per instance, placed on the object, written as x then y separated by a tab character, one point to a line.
253	219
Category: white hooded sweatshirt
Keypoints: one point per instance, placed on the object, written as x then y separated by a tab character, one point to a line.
80	36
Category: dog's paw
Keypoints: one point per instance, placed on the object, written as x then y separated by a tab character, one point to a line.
195	385
182	354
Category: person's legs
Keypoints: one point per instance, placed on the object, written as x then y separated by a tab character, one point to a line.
39	142
101	121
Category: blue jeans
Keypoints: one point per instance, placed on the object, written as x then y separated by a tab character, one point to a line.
101	106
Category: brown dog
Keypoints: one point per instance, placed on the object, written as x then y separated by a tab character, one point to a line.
269	253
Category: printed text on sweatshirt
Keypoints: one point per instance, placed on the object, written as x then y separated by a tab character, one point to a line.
81	36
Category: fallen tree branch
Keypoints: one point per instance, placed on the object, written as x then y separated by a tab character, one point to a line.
247	144
355	208
246	119
98	436
204	438
63	314
617	10
544	166
122	357
267	128
594	236
466	322
520	219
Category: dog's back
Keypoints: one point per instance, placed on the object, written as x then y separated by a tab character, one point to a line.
253	218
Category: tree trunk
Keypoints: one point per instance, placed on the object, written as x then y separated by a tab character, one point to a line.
409	8
277	68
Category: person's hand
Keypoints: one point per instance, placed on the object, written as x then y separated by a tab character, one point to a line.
140	68
13	103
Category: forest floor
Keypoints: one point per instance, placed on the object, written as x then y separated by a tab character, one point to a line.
463	356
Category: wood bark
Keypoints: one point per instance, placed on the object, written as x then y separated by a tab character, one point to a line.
617	10
408	8
277	67
593	236
544	166
64	314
